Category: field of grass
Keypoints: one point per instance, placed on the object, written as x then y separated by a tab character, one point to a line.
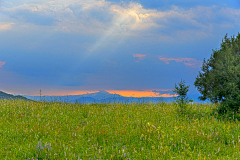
42	130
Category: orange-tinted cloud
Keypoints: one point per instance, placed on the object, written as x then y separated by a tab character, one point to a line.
6	26
2	64
64	93
139	56
133	93
191	62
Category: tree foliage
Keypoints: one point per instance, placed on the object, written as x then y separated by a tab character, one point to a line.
219	78
182	90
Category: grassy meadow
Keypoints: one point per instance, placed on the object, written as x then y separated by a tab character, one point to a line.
44	130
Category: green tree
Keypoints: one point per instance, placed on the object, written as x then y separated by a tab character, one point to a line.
182	90
219	78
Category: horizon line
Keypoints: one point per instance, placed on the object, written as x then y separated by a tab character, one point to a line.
124	93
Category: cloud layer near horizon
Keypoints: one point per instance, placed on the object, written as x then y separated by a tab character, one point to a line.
108	45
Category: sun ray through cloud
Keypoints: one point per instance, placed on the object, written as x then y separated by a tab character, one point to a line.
93	45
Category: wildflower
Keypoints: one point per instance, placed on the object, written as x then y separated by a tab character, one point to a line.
39	145
153	147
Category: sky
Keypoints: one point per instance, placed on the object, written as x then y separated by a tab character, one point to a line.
133	48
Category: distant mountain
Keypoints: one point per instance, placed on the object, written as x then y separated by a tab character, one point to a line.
4	95
72	98
86	100
124	100
105	97
101	95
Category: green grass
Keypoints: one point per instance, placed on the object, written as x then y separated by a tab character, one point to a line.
31	130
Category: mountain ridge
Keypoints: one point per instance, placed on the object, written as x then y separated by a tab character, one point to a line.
4	95
104	97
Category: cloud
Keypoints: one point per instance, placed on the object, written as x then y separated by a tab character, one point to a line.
32	13
165	93
2	64
137	93
229	12
60	92
168	95
72	43
124	19
6	26
191	62
139	56
112	62
133	16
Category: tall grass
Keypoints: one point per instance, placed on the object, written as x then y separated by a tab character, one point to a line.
42	130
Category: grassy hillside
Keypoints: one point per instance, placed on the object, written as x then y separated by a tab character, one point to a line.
4	95
31	130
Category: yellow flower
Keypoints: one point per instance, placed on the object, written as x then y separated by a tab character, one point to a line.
153	147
